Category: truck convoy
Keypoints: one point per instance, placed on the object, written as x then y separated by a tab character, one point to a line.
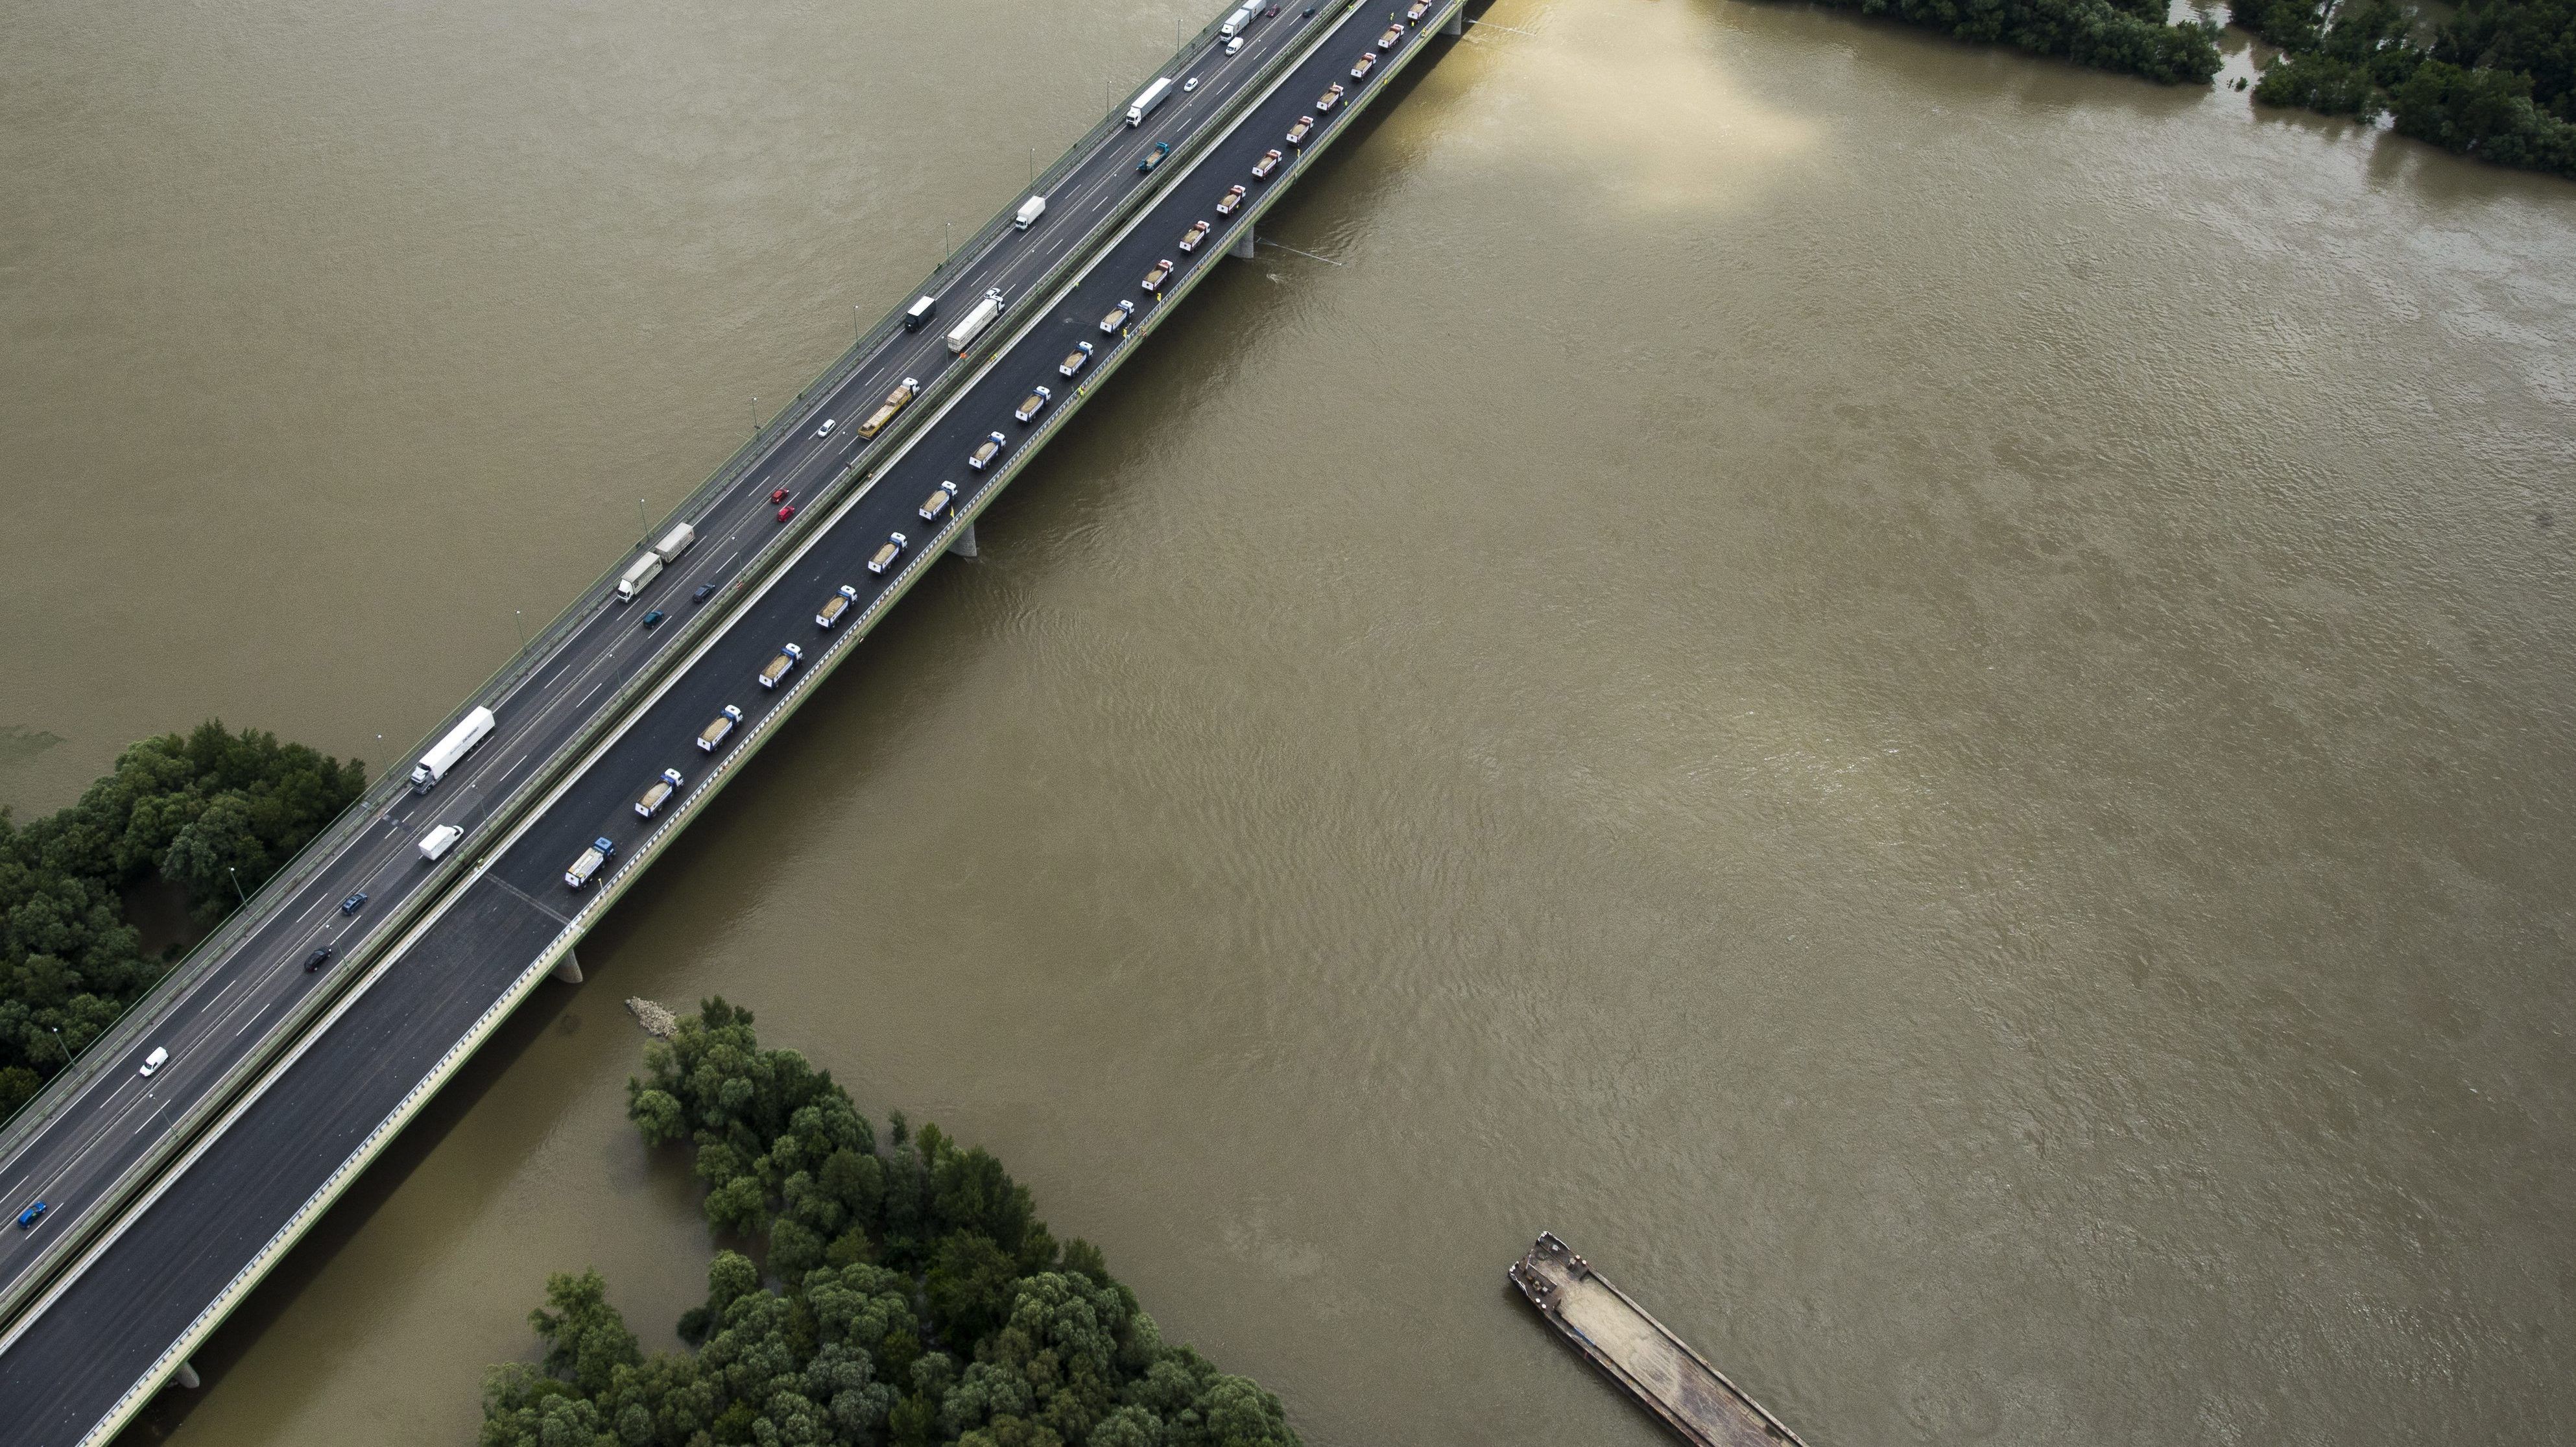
646	568
443	755
1148	98
971	326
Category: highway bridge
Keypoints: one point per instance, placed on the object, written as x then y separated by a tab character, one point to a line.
171	1196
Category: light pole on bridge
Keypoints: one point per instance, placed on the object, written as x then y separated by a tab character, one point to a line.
237	889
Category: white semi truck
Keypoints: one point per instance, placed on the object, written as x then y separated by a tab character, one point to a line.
1148	98
443	755
646	568
972	325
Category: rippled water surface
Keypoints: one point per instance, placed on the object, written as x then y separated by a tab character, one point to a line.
1921	697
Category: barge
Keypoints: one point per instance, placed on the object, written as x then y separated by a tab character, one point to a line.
1638	1352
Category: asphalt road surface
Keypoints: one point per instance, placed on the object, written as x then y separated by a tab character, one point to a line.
65	1365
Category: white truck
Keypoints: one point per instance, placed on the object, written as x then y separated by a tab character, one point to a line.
1030	211
972	325
648	567
443	755
435	844
599	853
1148	98
1237	23
638	573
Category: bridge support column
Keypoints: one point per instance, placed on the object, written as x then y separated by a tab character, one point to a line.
1456	24
963	545
1243	245
568	969
186	1376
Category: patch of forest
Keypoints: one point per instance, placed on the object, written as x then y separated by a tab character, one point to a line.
907	1294
214	813
2497	80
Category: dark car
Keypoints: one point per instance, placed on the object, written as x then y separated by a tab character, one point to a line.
1307	13
653	619
350	905
28	1218
1271	13
705	591
318	959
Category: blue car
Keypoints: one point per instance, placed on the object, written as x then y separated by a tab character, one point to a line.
28	1218
653	619
350	905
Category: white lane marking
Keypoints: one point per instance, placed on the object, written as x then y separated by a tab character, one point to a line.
94	1144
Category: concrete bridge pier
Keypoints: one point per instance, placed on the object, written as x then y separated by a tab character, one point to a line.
568	969
1456	24
963	545
186	1376
1243	245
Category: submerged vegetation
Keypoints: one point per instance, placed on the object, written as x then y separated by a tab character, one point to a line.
2129	36
2498	81
215	813
906	1296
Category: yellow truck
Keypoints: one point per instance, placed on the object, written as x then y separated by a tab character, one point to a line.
896	400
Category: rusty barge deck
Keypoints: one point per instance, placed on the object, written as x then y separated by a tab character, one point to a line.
1638	1352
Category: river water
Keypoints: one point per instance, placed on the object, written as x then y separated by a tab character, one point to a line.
1921	697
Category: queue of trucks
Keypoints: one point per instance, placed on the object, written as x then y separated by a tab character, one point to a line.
974	324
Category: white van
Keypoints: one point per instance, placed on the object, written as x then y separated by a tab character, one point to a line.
438	841
154	1061
1030	211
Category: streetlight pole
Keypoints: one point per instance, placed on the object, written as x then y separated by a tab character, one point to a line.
59	1045
643	524
858	324
755	417
523	627
237	889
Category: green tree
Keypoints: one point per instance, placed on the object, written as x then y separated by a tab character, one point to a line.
190	810
913	1295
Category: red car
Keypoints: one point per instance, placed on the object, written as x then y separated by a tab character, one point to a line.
787	512
779	496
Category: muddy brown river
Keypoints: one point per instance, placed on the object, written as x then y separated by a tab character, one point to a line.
1921	697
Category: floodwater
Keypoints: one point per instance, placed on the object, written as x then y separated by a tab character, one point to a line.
1921	697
